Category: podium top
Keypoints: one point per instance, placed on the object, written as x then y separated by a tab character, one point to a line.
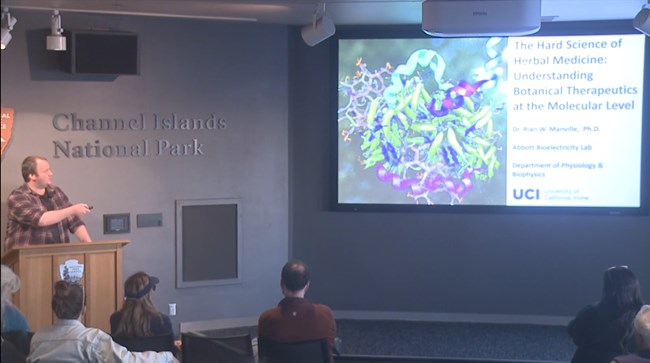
65	247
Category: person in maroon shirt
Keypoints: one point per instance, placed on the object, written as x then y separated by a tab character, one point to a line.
296	319
40	213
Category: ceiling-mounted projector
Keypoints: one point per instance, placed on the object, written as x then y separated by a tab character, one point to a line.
480	18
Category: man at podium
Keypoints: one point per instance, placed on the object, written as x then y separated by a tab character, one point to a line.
39	212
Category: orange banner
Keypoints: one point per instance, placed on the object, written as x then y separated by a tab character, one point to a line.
7	125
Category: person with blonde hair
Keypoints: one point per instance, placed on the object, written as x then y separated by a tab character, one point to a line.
12	318
139	316
68	340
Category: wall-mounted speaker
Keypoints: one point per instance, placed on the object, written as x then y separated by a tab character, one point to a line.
642	20
481	18
101	52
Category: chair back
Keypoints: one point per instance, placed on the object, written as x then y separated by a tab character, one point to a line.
156	343
20	339
308	351
10	354
199	348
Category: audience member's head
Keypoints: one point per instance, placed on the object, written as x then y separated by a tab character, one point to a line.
295	276
10	284
138	308
68	300
642	327
139	286
621	289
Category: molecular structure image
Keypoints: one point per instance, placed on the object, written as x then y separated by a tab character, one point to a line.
423	134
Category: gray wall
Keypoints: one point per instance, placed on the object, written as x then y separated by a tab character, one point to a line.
237	71
459	265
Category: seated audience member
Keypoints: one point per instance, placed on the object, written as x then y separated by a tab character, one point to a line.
138	316
642	334
12	318
68	340
604	330
296	319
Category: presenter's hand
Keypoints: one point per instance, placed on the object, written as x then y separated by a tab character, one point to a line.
81	209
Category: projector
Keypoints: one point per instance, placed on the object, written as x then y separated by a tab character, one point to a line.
480	18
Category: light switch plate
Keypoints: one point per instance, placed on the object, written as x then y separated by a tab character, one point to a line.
149	220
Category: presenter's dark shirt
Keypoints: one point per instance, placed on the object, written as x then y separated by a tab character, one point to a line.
161	325
25	208
296	319
597	336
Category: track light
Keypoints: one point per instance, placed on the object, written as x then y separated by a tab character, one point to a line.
56	41
7	26
642	20
321	28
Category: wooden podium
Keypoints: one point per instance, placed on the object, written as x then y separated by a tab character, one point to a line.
38	267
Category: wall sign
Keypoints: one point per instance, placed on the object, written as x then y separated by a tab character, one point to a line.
165	124
7	126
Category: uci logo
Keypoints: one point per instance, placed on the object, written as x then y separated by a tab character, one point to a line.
530	194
